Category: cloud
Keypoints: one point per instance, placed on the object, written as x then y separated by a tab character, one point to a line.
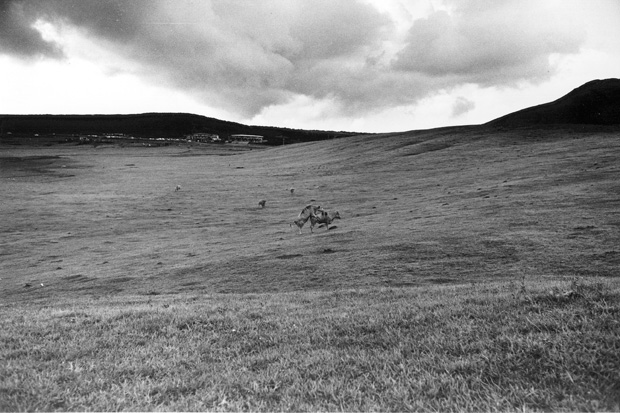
489	42
461	106
17	34
249	56
243	56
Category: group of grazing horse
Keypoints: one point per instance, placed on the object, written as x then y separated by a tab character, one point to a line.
316	215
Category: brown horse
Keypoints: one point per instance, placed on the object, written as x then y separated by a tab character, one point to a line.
323	218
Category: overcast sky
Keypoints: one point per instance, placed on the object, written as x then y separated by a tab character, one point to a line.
358	65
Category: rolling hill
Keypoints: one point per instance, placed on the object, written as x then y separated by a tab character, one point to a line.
595	103
150	125
474	268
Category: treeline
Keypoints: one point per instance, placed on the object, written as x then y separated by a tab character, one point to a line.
152	125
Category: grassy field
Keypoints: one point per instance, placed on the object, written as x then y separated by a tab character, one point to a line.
473	269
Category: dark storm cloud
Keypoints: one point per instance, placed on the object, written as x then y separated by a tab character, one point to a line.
18	37
117	20
245	56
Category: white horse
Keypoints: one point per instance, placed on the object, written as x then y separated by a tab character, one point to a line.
304	215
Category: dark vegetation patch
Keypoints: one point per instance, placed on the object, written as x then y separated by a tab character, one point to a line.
419	149
77	278
32	166
453	249
26	165
120	280
444	280
289	256
610	257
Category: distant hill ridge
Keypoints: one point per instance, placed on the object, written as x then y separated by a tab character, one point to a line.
153	125
596	103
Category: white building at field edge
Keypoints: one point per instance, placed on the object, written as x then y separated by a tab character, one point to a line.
247	138
203	137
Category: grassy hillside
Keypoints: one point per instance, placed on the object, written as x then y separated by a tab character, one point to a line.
595	103
473	269
537	346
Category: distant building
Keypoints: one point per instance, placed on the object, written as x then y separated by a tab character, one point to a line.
247	138
203	137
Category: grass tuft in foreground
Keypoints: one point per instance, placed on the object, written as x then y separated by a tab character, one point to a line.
538	346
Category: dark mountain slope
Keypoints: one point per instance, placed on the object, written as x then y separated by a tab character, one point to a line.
596	103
